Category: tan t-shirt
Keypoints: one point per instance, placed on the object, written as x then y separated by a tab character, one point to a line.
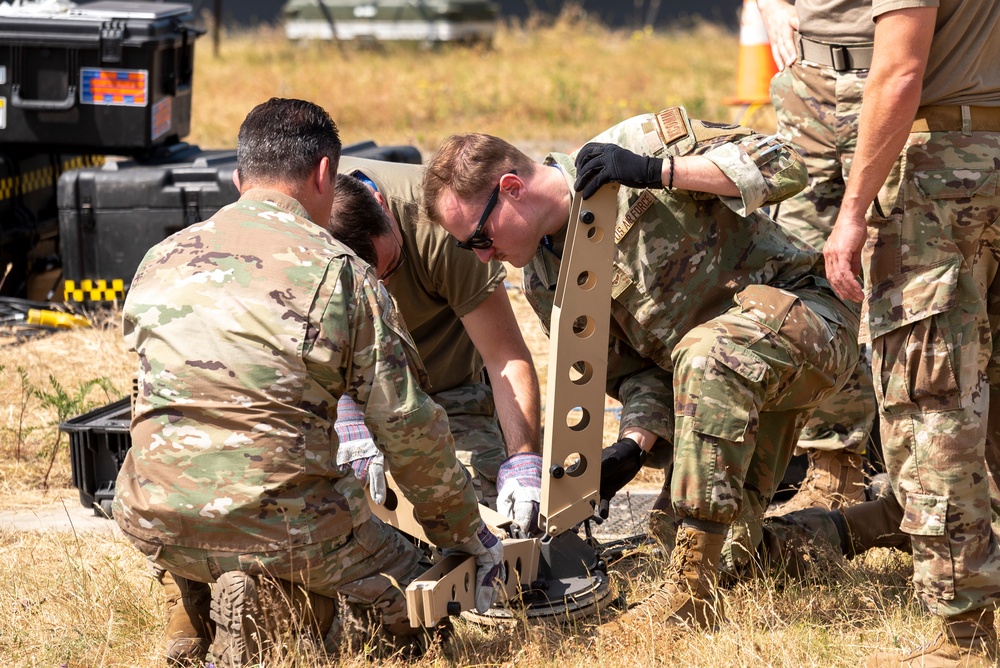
438	283
964	62
836	21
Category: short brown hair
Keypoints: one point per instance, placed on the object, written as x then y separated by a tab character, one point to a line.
282	140
357	218
469	165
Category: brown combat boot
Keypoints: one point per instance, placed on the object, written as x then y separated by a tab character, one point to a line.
189	627
969	641
238	624
874	524
689	596
258	618
833	480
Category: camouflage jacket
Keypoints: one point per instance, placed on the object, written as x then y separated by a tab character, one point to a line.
249	327
682	256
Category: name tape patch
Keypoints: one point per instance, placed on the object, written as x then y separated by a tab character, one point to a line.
633	214
670	123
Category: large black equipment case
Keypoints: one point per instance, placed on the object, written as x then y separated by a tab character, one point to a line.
110	216
98	441
109	77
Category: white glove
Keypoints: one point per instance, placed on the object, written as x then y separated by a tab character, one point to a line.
488	551
368	463
357	448
519	490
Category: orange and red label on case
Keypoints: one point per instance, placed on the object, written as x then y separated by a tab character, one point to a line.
128	88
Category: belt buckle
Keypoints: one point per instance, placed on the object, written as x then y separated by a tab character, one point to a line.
840	57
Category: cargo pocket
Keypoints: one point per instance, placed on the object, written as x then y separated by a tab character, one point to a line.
766	305
884	233
924	519
726	405
917	368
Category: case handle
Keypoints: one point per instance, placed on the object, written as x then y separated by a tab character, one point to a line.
42	105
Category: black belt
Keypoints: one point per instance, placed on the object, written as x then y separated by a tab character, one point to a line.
841	57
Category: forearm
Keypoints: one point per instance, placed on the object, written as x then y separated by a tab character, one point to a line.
494	331
891	101
516	395
698	174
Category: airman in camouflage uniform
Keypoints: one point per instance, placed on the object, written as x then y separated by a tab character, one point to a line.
920	217
823	51
728	318
248	328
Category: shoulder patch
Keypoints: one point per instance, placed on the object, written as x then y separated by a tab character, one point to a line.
670	125
620	282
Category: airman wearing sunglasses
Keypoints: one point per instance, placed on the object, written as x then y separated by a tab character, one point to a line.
725	335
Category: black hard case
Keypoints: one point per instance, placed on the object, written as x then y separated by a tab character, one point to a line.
110	216
98	441
51	100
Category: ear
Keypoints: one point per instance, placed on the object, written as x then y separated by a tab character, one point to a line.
382	203
322	176
236	179
512	185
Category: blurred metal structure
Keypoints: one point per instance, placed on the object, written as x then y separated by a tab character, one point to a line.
429	21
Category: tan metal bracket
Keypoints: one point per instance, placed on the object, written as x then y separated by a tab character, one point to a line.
398	512
448	587
578	365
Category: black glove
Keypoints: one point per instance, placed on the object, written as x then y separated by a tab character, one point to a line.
619	464
597	164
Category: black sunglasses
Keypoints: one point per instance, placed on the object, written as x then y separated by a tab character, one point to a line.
478	240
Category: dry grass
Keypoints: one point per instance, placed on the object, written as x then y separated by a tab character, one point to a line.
550	87
84	600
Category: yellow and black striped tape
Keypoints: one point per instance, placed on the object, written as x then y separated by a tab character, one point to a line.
94	291
43	177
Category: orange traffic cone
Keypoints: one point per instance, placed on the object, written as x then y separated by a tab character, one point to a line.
756	64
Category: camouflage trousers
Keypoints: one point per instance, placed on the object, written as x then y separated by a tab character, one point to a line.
364	567
932	311
743	386
479	442
818	110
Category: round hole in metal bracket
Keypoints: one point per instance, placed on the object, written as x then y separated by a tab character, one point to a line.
467	582
391	500
584	326
517	567
586	280
454	593
575	464
581	372
578	418
595	234
506	571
